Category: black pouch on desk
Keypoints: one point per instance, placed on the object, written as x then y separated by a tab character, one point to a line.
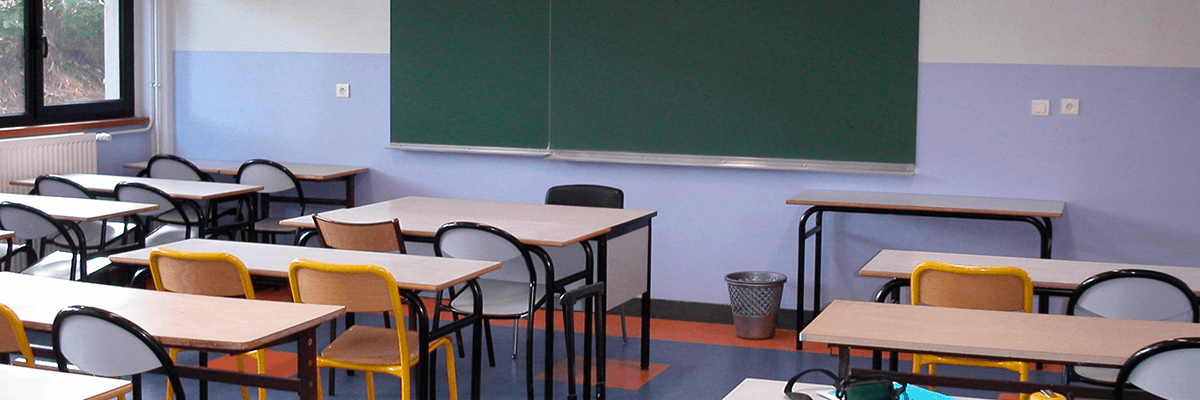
867	387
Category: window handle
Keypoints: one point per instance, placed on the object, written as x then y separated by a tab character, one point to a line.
45	46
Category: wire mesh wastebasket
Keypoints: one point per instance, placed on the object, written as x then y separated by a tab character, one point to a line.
754	298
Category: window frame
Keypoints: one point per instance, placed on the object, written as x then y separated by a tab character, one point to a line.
37	112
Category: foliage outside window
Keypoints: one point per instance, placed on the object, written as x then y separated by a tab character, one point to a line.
65	60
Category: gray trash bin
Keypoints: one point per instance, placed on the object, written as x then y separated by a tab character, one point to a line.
754	298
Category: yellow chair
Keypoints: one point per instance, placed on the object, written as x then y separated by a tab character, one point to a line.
12	338
365	288
981	288
206	274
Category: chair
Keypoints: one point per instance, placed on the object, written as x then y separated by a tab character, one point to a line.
362	236
274	178
365	288
982	288
579	262
168	166
206	274
511	292
13	338
1165	369
1129	294
106	344
593	331
36	227
174	220
98	234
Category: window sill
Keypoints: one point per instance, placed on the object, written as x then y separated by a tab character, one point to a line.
73	127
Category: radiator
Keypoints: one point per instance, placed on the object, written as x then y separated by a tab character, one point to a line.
30	157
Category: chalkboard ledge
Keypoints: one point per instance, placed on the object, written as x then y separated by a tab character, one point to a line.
674	159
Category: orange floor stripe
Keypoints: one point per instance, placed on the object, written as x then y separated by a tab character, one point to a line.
279	363
618	374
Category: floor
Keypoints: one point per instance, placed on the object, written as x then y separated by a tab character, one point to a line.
690	360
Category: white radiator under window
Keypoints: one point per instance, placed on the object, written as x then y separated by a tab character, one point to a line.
29	157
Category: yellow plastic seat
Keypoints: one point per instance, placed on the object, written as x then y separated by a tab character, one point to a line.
365	288
206	274
12	336
981	288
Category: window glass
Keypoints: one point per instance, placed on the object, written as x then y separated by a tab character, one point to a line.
81	58
12	57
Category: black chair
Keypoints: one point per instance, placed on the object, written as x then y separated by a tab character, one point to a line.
580	261
1129	294
168	166
593	337
1165	369
106	344
97	234
274	178
37	229
174	220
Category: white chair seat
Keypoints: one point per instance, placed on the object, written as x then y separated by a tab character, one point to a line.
503	298
92	231
174	217
1098	373
169	234
271	225
58	265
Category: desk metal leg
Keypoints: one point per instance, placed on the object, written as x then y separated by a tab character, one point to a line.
306	364
645	299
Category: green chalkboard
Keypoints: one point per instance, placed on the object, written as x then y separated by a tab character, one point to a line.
818	80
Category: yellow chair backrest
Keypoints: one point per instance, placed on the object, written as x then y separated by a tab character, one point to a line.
12	335
359	288
208	274
982	288
363	236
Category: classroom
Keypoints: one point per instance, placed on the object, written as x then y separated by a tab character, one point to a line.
242	79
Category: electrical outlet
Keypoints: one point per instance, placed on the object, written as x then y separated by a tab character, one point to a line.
1070	107
1041	107
342	90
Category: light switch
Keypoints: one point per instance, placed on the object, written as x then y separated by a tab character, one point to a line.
1041	107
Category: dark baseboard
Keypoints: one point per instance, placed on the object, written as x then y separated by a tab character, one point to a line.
698	312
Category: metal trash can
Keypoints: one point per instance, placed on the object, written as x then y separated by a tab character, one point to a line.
754	298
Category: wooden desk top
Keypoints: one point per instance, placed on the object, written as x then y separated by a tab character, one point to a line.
179	320
1045	273
190	190
931	203
536	224
7	234
411	272
78	210
21	383
1005	335
769	389
308	172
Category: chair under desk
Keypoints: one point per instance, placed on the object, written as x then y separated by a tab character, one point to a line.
185	321
1061	339
412	273
1034	212
304	172
626	272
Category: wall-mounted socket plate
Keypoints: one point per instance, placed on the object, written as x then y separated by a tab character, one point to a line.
1041	107
342	90
1070	107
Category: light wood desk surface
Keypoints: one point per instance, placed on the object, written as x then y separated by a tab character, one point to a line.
189	190
931	203
7	234
76	209
536	224
1003	335
179	320
308	172
769	389
411	272
1045	273
20	383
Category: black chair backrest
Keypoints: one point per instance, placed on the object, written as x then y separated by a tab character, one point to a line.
475	241
32	224
586	196
593	296
169	166
102	343
54	185
1135	294
1165	369
273	177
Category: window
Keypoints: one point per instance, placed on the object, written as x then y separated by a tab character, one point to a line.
65	61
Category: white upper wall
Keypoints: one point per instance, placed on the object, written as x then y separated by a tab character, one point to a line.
1138	33
306	26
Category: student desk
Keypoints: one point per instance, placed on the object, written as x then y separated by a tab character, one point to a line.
76	210
203	323
626	272
1034	212
304	172
6	235
22	383
412	273
1061	339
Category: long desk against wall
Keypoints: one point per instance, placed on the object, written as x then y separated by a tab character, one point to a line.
304	172
1034	212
